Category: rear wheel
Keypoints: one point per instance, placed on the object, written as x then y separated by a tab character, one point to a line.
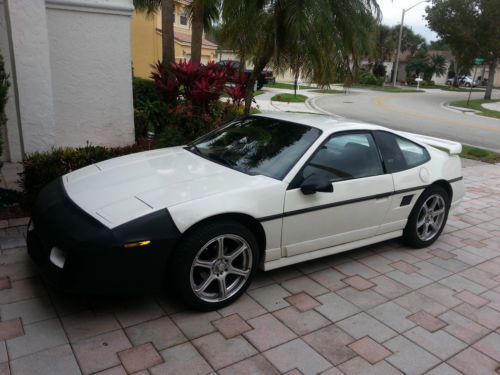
428	218
215	264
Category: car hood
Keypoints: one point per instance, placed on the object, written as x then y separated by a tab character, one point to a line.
118	190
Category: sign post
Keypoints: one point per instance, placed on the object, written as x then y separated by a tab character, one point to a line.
418	80
477	61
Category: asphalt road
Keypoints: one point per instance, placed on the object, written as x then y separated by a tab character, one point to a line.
422	113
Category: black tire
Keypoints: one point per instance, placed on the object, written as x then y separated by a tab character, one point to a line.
189	248
411	234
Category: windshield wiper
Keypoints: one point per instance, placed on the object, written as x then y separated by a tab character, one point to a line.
223	160
195	149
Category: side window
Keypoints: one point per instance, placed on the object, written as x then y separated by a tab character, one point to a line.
399	153
346	156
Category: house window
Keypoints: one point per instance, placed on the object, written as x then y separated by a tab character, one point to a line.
184	17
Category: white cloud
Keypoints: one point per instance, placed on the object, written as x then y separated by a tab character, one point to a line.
414	18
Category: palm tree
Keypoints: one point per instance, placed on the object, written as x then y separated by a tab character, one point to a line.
150	7
308	36
204	13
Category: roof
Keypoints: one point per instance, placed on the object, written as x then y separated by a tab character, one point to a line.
323	122
186	38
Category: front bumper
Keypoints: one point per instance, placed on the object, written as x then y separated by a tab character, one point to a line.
95	259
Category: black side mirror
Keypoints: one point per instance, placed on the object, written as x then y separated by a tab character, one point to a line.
316	183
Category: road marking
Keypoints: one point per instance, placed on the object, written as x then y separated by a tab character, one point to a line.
381	103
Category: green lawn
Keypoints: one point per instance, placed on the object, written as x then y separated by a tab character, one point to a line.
475	153
255	93
328	91
385	88
451	88
476	104
289	98
289	86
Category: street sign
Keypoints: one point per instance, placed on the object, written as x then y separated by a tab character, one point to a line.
478	61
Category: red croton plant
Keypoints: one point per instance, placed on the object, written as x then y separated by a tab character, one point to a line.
190	92
198	84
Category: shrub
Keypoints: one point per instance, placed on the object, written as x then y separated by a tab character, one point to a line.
368	78
147	107
379	70
4	88
42	167
144	91
427	83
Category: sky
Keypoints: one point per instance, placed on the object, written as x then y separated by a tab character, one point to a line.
391	15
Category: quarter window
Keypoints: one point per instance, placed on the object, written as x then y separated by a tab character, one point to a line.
346	156
414	154
400	153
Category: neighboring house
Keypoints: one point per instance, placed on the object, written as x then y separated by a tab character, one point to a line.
70	73
146	40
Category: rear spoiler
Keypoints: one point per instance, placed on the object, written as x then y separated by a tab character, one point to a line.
453	148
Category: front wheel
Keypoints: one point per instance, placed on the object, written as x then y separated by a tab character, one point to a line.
215	264
428	218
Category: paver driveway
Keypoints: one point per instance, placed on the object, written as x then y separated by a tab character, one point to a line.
383	309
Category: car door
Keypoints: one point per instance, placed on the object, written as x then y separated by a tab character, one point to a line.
406	162
353	211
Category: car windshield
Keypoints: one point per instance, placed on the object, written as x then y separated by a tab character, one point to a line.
257	145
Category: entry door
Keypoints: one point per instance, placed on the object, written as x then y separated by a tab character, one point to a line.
353	211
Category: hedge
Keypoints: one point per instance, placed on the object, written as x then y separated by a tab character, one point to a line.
42	167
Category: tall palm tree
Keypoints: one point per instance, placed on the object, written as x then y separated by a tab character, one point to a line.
304	35
150	8
204	13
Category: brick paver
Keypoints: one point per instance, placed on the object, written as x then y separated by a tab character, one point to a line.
383	309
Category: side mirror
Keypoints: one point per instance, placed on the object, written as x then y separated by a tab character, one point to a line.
316	183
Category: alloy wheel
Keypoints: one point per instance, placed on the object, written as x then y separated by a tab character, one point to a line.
431	217
221	268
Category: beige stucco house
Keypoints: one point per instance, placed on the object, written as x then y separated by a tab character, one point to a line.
146	40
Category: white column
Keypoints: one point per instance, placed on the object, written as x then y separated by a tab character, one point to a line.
90	56
32	73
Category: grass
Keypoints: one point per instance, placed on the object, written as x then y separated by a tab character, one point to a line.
289	98
451	88
476	105
476	153
456	89
255	93
289	86
385	88
328	91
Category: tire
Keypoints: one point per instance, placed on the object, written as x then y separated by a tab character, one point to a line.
198	260
424	216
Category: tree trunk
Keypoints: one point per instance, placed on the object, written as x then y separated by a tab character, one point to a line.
197	31
259	65
167	32
241	69
491	79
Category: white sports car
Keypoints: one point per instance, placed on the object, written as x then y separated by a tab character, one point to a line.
264	191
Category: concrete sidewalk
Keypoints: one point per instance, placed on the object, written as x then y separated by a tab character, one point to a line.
383	309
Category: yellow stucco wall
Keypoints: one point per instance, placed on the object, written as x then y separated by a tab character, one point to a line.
146	42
